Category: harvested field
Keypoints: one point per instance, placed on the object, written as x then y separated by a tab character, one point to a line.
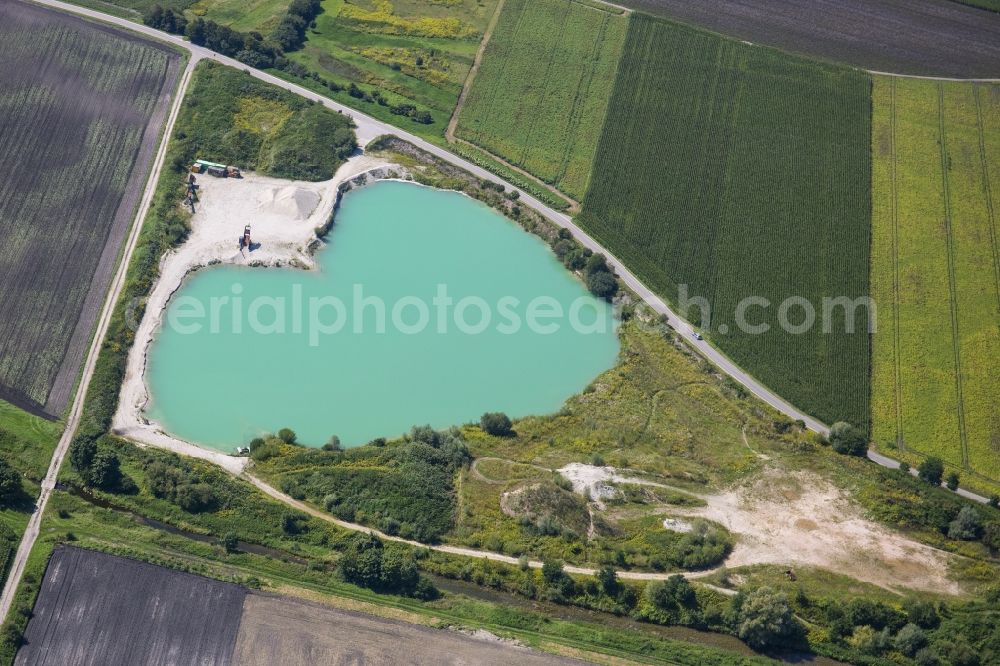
80	110
100	609
929	37
104	610
741	175
285	631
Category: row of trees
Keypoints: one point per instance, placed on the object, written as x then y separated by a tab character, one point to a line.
846	439
599	277
253	49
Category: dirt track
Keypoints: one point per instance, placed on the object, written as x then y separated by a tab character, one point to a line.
925	37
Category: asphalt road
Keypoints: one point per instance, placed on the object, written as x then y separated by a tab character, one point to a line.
367	129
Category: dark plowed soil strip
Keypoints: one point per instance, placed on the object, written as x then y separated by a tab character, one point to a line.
956	341
86	103
101	610
926	37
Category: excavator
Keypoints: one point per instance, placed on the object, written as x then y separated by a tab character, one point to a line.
245	238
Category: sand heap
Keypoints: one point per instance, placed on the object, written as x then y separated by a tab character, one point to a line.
289	201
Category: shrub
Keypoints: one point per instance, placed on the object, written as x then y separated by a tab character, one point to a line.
931	470
874	614
602	284
671	601
408	483
966	526
167	20
951	482
104	471
181	485
230	542
287	435
496	424
10	481
368	563
763	618
921	613
848	440
195	497
82	452
910	639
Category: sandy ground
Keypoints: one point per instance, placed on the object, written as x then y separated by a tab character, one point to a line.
284	216
800	519
598	482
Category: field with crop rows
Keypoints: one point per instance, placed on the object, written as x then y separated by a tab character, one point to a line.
742	172
542	91
935	271
79	118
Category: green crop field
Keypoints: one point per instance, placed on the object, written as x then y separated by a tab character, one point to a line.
79	119
739	172
935	273
542	91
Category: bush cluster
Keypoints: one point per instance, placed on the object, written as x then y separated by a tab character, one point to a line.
177	482
253	49
291	32
404	487
167	20
369	563
97	464
597	274
919	504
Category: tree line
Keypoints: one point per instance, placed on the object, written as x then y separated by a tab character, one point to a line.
254	49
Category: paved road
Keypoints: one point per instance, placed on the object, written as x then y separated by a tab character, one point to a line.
49	482
367	129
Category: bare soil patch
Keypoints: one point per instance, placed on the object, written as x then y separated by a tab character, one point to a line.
923	37
791	518
285	631
799	518
103	610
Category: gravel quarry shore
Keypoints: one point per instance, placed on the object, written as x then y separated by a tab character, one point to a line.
284	217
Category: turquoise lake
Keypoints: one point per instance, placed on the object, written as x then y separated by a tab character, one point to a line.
281	353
